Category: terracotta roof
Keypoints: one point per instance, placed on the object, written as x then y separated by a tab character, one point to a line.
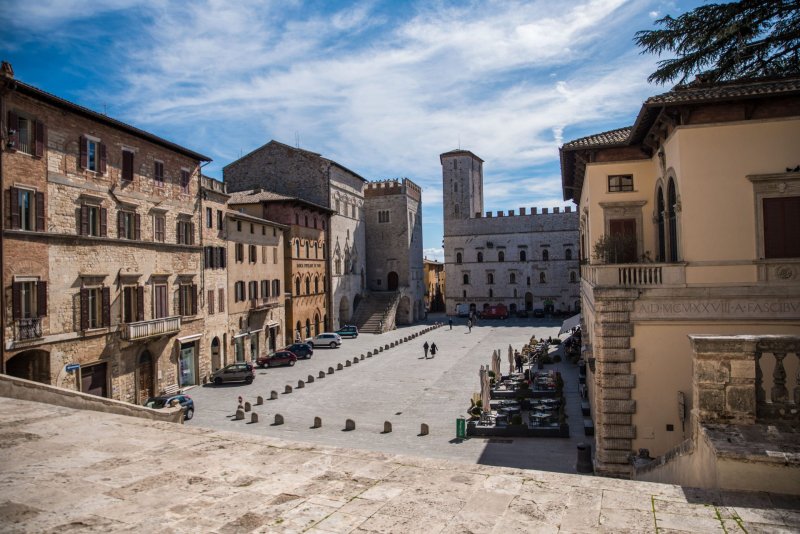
610	138
256	196
699	92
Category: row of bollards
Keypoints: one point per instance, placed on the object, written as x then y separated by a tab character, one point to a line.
349	424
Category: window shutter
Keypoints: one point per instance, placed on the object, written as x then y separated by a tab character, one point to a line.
140	303
127	165
83	160
211	302
41	298
15	215
103	222
103	158
223	256
16	300
191	233
179	231
13	139
221	300
40	212
137	226
84	309
40	136
120	224
194	299
83	228
181	303
214	257
106	306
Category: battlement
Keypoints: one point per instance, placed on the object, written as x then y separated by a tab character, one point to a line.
523	212
393	186
212	184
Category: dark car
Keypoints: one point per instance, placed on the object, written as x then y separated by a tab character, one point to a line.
522	314
281	357
235	372
301	350
348	331
164	401
538	313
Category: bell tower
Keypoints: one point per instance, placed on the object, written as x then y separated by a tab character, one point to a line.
462	185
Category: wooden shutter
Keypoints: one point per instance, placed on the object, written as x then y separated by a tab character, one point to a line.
106	306
194	299
137	226
103	222
83	160
223	256
15	215
16	300
179	229
221	300
41	298
40	137
103	159
84	226
140	303
211	302
13	124
781	227
127	165
181	302
84	309
121	224
40	216
191	233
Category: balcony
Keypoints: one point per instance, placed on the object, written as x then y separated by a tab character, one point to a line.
635	274
263	303
147	329
28	329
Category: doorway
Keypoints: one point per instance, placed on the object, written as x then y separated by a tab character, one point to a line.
94	379
393	281
31	365
144	377
215	360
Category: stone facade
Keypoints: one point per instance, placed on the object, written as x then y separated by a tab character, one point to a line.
393	210
101	264
525	260
214	298
433	274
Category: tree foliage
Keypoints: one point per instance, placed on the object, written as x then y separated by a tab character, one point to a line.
719	42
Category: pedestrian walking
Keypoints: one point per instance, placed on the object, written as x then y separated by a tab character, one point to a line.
433	349
425	347
518	361
469	324
450	321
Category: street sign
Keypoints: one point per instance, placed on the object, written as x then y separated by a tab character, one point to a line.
72	367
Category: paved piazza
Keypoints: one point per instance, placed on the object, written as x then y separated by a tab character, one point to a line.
400	386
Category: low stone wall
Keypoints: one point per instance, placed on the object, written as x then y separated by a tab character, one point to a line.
17	388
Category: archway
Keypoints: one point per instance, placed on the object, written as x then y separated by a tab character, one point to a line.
317	329
356	302
30	365
215	360
393	281
404	311
528	301
144	376
344	311
308	328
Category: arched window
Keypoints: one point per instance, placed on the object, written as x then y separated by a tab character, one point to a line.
308	328
297	286
522	255
316	284
316	250
297	248
458	257
512	278
308	286
545	255
307	249
662	231
490	278
542	278
568	254
672	217
466	279
306	221
322	246
480	257
297	219
315	222
501	256
573	277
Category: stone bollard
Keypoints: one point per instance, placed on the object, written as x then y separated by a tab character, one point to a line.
391	345
317	422
300	384
347	363
387	427
259	400
380	349
369	354
288	389
362	357
349	425
247	406
330	370
386	347
273	395
322	374
375	350
278	420
339	367
239	415
423	429
584	464
254	417
310	379
355	360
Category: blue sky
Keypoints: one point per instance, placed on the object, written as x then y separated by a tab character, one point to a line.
381	87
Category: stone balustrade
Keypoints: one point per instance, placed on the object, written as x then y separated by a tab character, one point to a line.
153	328
635	275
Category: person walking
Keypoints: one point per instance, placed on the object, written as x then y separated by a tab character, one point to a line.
518	361
433	349
469	324
450	322
425	347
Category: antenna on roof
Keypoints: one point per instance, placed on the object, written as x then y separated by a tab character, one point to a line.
459	141
296	139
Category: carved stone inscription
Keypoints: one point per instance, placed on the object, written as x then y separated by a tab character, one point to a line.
756	308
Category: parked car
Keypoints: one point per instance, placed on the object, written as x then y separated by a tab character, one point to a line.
274	359
164	401
235	372
326	339
522	314
348	331
538	313
498	311
301	350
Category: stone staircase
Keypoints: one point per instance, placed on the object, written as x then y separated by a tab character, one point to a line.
375	313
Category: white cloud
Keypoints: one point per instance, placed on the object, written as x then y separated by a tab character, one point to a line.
434	254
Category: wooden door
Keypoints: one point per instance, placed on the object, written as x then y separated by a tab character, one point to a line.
623	233
144	383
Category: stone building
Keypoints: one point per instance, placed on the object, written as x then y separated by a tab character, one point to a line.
690	224
433	274
393	211
101	256
305	262
525	260
213	298
306	175
256	286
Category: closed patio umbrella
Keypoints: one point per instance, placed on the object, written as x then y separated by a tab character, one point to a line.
496	364
484	377
510	361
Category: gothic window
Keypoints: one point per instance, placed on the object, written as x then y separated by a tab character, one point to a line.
501	256
480	257
466	279
672	217
308	286
545	255
568	254
458	257
490	278
522	255
573	277
316	284
297	286
512	278
660	220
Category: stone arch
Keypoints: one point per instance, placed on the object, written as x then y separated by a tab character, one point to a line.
344	311
31	365
216	360
404	311
673	209
307	282
297	285
145	376
316	284
660	219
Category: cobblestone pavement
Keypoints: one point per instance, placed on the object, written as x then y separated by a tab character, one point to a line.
65	470
399	386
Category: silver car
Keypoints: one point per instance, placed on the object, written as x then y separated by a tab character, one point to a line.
326	339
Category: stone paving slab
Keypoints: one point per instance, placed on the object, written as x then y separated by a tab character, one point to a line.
78	471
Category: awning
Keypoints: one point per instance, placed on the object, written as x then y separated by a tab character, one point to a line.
569	324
